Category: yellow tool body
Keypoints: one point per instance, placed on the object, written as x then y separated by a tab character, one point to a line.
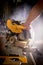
15	28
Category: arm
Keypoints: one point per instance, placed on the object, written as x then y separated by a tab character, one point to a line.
36	10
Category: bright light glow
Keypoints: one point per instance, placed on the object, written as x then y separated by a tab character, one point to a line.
32	32
37	41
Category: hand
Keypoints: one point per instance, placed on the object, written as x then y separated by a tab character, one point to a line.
27	27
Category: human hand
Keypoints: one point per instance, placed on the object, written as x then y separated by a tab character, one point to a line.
27	27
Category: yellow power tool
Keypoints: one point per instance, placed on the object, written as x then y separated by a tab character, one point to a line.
14	27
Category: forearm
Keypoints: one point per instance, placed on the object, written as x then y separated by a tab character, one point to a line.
36	10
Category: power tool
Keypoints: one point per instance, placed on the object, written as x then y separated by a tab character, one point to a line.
14	26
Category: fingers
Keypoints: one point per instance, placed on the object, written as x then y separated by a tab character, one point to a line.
21	27
27	27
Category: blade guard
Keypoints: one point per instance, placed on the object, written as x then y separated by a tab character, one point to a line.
15	28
